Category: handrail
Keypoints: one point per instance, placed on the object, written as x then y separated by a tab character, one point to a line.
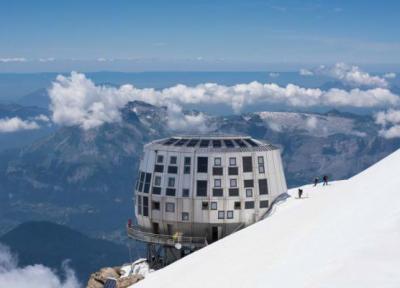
144	236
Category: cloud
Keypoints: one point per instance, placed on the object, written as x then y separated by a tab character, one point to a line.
32	276
306	72
41	118
351	75
389	75
312	122
50	59
76	100
390	122
16	124
179	121
16	59
274	74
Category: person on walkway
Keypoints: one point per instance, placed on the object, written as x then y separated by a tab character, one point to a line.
316	180
300	193
325	180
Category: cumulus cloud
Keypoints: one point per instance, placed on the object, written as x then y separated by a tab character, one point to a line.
312	122
76	100
274	74
16	124
41	118
32	276
389	75
390	122
351	75
15	59
306	72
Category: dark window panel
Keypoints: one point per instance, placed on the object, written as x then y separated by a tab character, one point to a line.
238	205
263	186
233	191
240	143
202	164
218	170
204	143
264	204
155	205
233	171
251	142
159	168
170	192
201	188
204	205
248	183
229	143
186	170
173	169
187	160
249	205
193	142
170	141
156	190
181	142
185	193
247	164
216	143
218	192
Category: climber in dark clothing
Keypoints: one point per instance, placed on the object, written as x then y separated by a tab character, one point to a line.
300	193
316	180
325	180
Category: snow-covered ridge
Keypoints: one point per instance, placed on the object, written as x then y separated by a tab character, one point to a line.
344	235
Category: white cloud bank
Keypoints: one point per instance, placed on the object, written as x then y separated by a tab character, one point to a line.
15	59
76	100
33	276
16	124
390	122
390	75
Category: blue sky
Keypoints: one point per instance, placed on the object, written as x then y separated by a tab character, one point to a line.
50	35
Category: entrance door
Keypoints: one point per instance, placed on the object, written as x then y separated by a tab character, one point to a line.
169	229
156	228
214	233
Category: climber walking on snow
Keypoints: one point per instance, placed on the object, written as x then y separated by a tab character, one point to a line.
316	180
325	180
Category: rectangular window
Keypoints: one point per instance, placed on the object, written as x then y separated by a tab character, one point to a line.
202	164
204	205
139	205
187	160
214	205
221	214
155	205
145	206
233	182
238	205
217	171
201	188
263	186
232	161
172	160
260	159
217	161
264	204
185	216
249	205
147	182
160	158
170	192
186	169
141	181
157	181
249	192
185	192
170	207
217	183
156	190
247	164
173	169
171	182
233	170
229	214
261	168
248	183
218	192
233	192
159	168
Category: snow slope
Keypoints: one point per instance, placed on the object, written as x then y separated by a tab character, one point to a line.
346	235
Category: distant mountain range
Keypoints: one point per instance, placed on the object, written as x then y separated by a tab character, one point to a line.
50	244
85	179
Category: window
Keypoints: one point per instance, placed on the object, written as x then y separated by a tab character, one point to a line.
172	160
159	168
263	186
217	161
221	214
233	192
173	169
247	164
185	192
214	205
218	192
202	164
233	171
170	207
157	181
264	204
249	205
145	206
141	181
261	168
238	205
217	171
229	214
233	182
249	192
156	190
232	161
160	158
171	182
201	188
139	205
186	167
155	205
187	160
248	183
260	159
185	216
170	192
147	182
217	183
204	205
